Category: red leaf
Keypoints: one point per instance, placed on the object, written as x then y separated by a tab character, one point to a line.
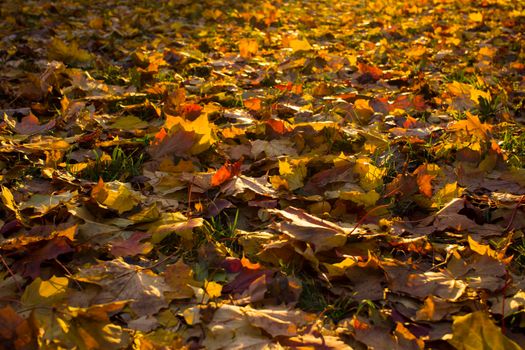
410	122
231	265
159	136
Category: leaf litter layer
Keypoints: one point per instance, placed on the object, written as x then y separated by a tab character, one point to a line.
264	175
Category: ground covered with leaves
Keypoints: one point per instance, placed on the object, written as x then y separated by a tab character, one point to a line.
262	174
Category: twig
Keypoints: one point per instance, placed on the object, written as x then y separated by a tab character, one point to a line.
11	273
513	216
366	215
69	273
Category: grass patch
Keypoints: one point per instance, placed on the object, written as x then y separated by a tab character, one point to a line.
314	298
512	141
117	166
517	249
222	230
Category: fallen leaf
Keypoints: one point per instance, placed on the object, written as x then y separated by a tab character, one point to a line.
131	246
226	172
123	282
477	331
116	195
302	226
248	47
179	277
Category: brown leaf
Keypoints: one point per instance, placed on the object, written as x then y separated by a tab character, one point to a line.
131	246
178	144
422	284
302	226
30	265
123	282
29	125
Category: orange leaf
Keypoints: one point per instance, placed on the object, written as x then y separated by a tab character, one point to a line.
284	87
191	110
226	172
410	122
248	47
472	126
249	265
424	183
375	72
253	103
159	136
278	126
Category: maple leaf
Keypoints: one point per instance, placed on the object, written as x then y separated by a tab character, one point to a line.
29	125
115	195
477	331
178	143
226	172
248	47
131	246
302	226
472	126
123	282
179	277
30	265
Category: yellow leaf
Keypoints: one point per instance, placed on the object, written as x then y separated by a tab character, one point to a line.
416	51
476	331
294	171
352	60
248	47
192	315
299	45
8	199
116	195
319	208
484	249
338	269
472	126
446	194
370	175
176	223
467	91
129	122
363	110
278	182
147	214
476	17
70	54
213	289
205	137
367	199
487	52
45	293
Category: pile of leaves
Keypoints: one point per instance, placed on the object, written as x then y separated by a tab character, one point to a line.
262	174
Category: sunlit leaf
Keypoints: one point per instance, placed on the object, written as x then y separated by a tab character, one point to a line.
116	195
477	331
